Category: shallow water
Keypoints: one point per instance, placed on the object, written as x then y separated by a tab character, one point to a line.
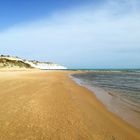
118	90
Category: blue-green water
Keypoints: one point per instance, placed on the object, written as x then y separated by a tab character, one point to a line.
122	85
127	84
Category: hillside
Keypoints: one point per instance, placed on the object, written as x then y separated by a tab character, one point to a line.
7	61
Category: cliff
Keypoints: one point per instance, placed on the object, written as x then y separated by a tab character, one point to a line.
7	61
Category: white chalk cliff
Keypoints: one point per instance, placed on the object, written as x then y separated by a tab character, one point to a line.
45	65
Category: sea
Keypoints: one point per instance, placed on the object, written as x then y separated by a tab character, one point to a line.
118	90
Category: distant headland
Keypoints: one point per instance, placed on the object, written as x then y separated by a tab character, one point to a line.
7	61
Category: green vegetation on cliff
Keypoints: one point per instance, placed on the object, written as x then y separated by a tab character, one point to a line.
7	63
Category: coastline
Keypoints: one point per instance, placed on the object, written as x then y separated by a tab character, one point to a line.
114	103
49	105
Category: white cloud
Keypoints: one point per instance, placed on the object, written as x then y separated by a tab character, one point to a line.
80	35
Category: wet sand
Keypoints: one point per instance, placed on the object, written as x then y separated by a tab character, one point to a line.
113	100
38	105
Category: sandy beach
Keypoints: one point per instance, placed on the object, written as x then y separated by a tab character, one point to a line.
39	105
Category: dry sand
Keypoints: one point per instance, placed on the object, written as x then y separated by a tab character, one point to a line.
37	105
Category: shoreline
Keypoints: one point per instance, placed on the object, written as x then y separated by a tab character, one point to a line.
51	105
113	103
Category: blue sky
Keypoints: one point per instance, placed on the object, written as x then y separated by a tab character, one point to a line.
17	11
75	33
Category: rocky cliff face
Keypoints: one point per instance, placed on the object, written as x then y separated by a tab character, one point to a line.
10	62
